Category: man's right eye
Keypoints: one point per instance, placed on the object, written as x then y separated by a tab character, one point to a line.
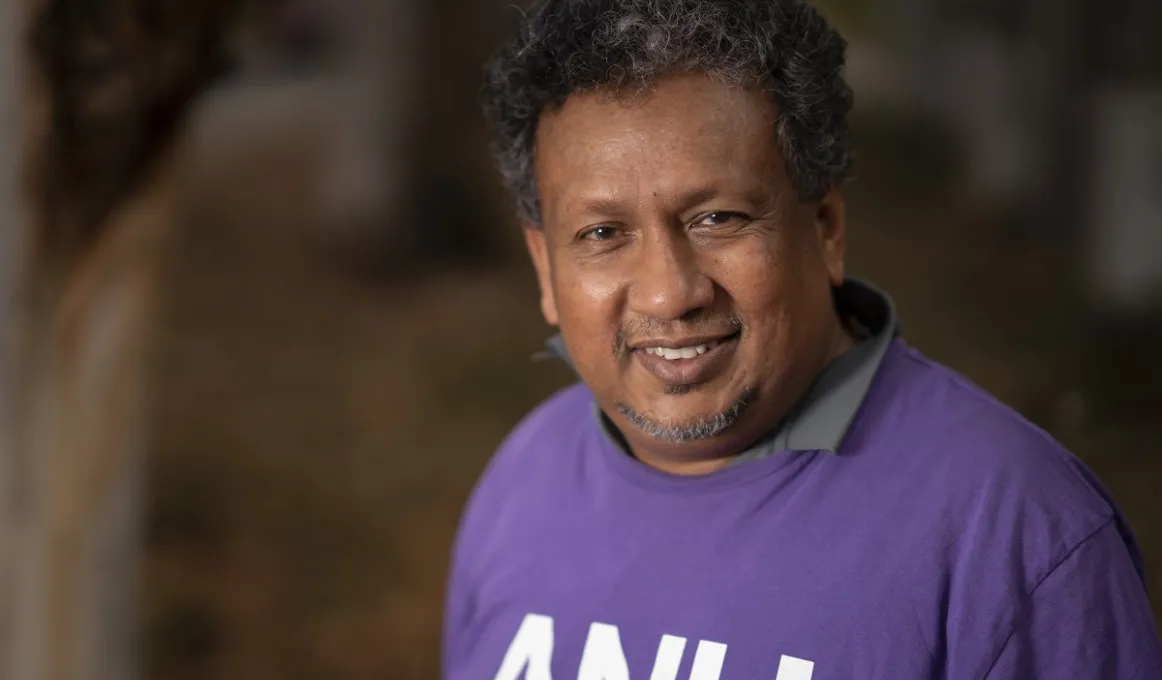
602	233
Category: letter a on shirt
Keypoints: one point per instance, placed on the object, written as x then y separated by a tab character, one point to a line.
532	647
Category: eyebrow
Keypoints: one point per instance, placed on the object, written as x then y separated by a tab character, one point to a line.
696	196
614	207
603	206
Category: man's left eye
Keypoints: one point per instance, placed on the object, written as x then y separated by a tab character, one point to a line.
718	219
601	233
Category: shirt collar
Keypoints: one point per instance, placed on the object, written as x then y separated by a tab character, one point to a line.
821	418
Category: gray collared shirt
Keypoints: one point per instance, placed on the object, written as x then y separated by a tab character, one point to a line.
820	419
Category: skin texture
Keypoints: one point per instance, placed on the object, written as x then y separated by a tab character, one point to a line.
669	214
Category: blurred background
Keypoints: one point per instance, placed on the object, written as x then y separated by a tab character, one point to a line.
346	317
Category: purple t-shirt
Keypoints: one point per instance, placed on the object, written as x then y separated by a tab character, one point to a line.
947	538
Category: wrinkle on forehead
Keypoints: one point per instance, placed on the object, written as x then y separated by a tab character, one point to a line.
689	133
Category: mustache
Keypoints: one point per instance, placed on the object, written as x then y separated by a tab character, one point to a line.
707	323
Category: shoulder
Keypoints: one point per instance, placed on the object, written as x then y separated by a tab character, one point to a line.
951	425
559	418
533	453
995	504
998	478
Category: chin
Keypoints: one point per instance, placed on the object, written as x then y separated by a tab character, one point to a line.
711	420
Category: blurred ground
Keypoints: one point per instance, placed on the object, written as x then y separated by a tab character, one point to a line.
316	434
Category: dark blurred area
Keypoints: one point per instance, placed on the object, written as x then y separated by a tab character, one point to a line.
348	317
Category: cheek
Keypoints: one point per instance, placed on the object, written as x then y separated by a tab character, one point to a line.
766	285
755	275
600	290
589	321
587	301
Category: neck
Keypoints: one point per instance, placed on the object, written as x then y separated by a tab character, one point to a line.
847	335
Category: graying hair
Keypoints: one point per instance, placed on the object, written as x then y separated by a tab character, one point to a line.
565	47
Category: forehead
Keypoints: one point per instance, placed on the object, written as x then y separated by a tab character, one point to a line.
685	133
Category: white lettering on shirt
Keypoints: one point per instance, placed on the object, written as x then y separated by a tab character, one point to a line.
530	655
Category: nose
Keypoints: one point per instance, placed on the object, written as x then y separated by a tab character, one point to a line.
668	283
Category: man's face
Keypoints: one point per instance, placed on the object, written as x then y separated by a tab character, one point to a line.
691	286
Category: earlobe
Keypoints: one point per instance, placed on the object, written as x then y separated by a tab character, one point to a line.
539	253
831	221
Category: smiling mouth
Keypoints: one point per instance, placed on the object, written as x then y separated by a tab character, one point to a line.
688	365
682	352
688	352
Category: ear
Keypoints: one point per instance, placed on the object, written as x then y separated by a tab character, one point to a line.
831	225
539	252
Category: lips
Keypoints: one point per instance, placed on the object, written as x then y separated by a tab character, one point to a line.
688	361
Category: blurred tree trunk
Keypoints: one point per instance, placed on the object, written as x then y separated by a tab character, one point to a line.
1006	77
79	442
1121	257
108	83
9	216
1124	78
408	182
368	172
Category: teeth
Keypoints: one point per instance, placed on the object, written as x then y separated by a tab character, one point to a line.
682	352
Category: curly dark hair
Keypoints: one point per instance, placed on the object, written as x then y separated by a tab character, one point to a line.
563	47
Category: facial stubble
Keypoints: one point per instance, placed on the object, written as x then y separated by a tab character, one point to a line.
706	427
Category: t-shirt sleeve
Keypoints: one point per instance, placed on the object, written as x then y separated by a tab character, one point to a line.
460	591
1088	619
457	612
482	514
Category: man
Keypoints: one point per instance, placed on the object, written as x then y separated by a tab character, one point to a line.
758	478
